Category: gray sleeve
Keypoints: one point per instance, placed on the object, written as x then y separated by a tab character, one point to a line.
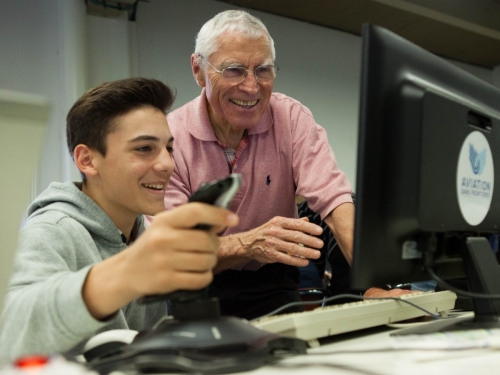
44	308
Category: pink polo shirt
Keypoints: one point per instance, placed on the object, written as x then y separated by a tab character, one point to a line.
287	155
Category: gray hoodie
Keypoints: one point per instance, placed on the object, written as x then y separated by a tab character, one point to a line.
65	234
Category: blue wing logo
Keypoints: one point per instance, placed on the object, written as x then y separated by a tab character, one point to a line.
477	160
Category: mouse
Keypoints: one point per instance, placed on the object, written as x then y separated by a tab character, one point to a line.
107	342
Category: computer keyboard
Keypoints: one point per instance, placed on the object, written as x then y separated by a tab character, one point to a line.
352	316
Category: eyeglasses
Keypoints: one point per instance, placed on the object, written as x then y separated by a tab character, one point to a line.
236	74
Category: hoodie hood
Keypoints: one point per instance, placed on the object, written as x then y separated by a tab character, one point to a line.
67	198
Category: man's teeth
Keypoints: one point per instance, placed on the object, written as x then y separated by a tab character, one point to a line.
156	187
245	104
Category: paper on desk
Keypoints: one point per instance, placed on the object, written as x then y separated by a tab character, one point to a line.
467	339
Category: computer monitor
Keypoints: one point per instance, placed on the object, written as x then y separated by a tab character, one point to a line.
428	165
23	119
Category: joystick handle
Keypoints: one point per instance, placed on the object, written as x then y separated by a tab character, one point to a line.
194	304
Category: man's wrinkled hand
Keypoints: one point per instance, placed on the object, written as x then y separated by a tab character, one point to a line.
283	240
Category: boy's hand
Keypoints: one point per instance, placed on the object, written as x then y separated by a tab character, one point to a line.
170	255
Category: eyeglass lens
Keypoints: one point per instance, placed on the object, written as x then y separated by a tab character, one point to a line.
263	73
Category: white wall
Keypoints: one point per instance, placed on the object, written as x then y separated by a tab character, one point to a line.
108	48
53	48
41	53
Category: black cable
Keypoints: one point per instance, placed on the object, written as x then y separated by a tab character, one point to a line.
460	292
340	296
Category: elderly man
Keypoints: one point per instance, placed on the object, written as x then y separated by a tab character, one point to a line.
238	125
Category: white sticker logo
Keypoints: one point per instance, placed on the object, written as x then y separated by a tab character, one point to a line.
475	178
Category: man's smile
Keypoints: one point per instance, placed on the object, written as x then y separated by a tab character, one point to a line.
245	104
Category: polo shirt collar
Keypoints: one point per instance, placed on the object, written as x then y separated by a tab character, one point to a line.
199	123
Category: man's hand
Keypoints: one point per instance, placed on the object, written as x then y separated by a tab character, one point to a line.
283	240
381	293
170	255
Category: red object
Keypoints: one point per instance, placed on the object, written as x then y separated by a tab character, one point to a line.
31	362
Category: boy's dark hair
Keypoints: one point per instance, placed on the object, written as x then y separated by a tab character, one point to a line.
90	119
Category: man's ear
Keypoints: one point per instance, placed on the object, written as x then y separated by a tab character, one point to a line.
198	72
85	160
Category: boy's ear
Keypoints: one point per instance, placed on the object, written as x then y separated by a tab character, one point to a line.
85	160
198	72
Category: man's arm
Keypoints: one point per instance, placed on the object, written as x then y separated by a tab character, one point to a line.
341	223
284	240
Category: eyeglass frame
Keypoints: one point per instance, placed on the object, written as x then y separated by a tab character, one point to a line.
221	72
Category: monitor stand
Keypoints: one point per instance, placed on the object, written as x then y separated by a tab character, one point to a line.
198	339
483	276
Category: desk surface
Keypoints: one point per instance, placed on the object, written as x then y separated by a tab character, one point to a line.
369	352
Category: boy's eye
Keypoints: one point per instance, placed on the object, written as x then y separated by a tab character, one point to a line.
144	149
170	149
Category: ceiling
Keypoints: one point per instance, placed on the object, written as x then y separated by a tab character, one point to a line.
462	30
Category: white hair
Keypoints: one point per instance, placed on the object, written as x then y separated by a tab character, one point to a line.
230	21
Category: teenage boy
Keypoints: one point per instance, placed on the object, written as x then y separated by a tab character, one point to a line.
83	259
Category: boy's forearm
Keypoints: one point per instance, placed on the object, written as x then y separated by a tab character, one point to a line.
105	291
46	317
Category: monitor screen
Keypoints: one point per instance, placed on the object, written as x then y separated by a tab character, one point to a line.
427	169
